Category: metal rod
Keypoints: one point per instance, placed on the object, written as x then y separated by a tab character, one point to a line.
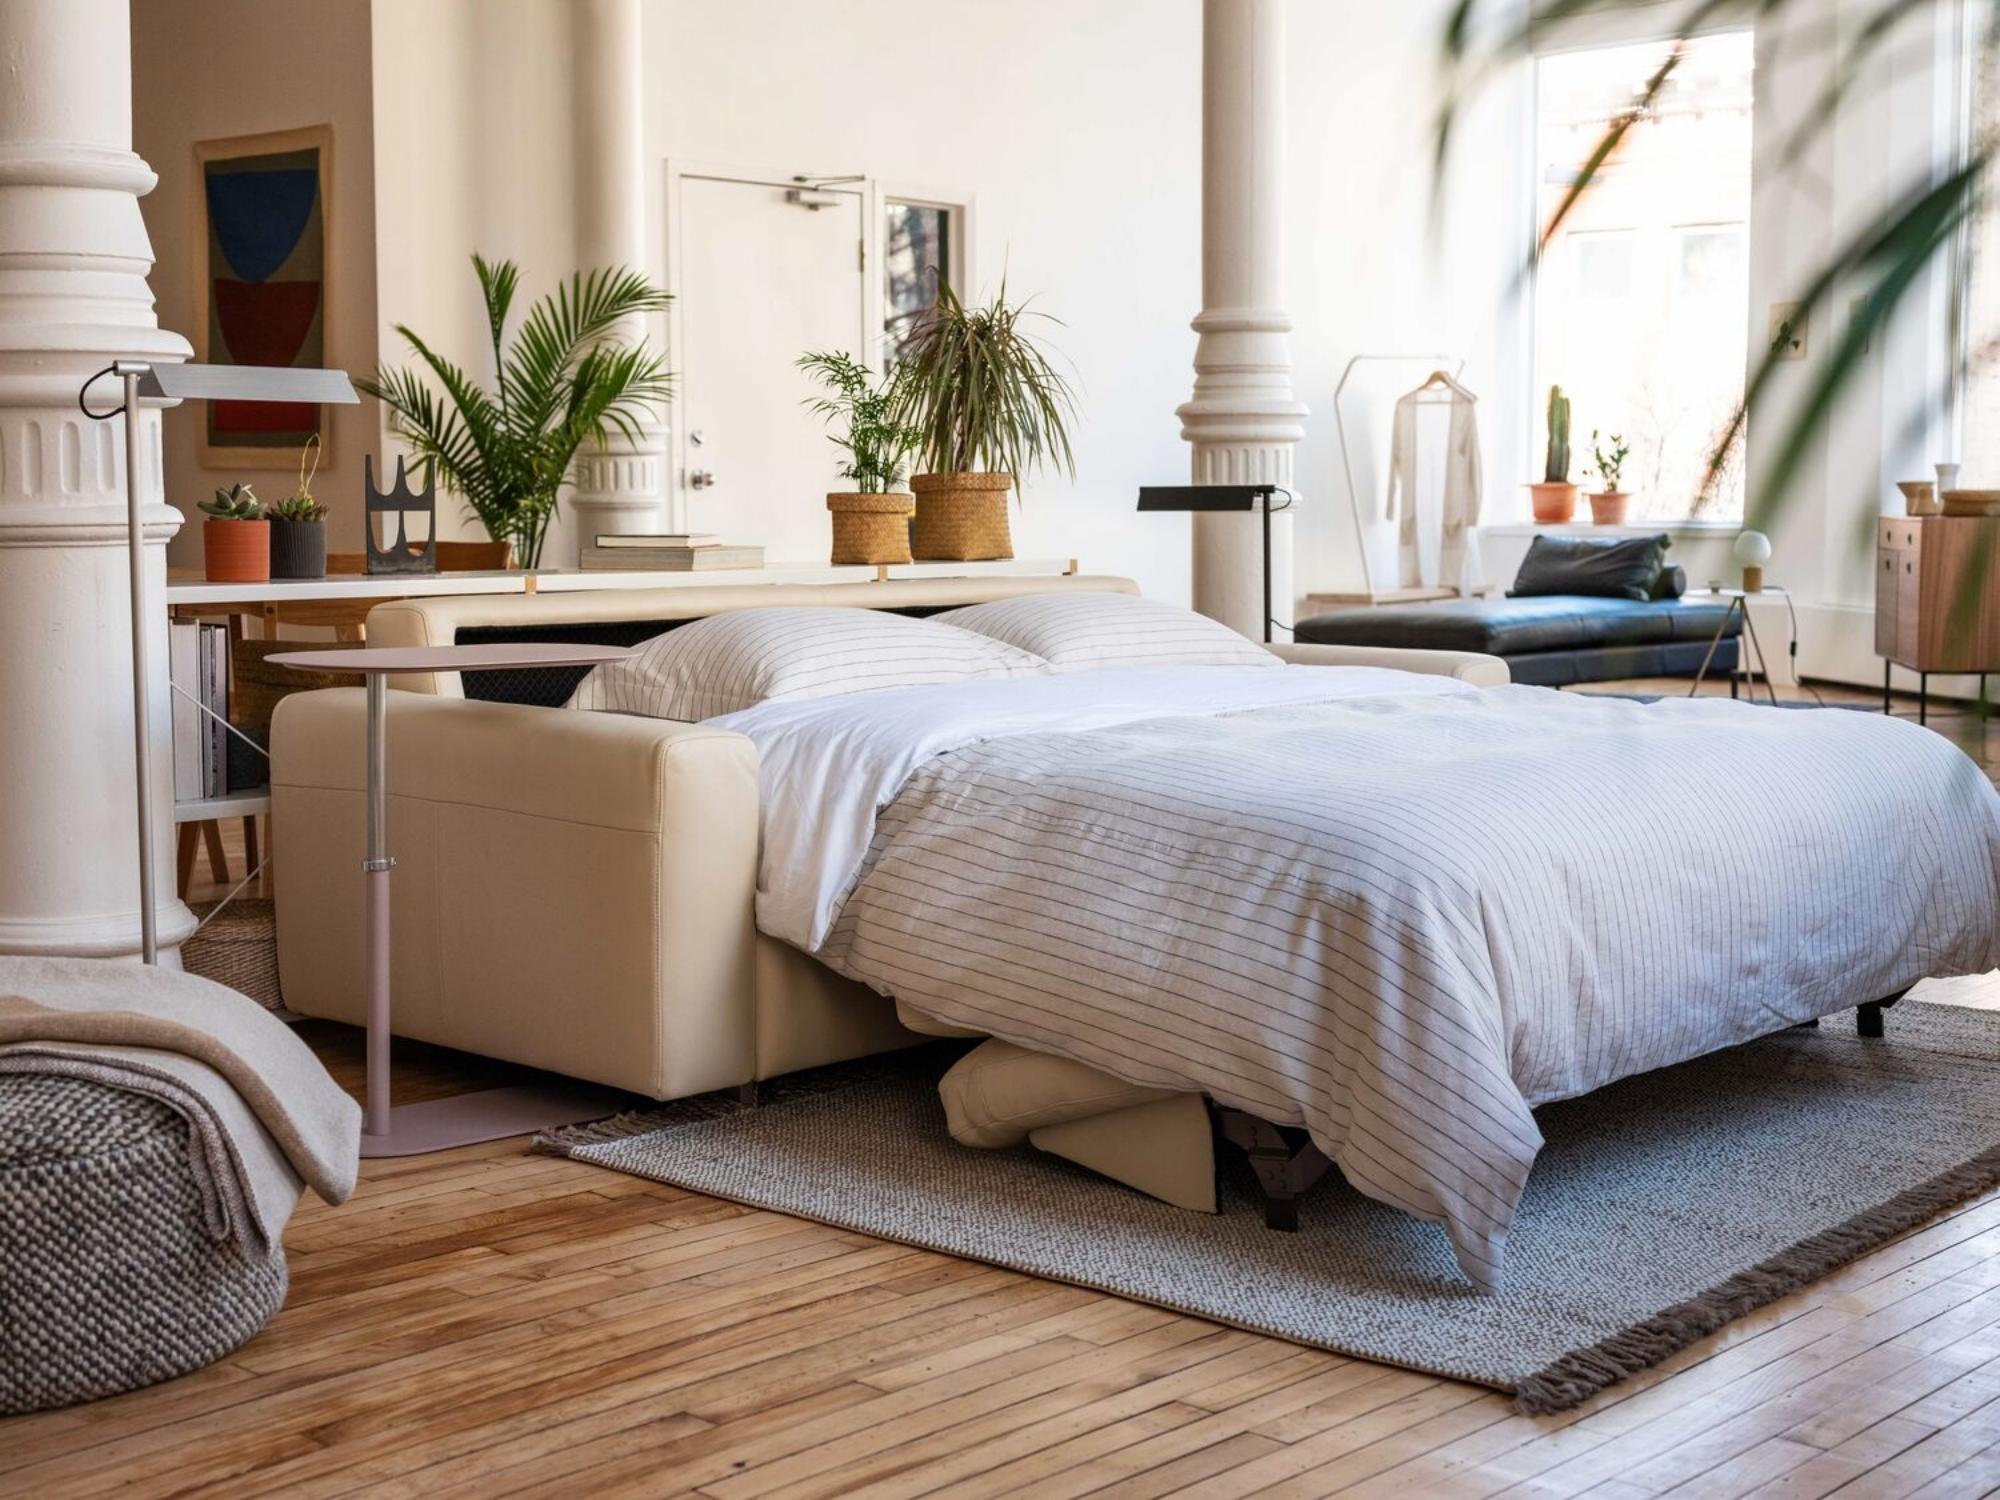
142	717
377	867
1763	661
1264	505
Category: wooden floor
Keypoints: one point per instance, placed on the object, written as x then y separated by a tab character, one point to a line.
490	1323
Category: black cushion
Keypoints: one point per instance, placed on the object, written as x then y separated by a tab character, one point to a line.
1513	626
1601	567
1673	582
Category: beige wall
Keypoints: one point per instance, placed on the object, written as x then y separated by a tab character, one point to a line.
203	69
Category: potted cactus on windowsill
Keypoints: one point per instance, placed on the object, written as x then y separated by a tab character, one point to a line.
235	539
1555	496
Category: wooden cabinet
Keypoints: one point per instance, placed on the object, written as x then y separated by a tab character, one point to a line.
1937	592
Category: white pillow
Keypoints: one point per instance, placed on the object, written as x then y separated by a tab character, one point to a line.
1082	631
737	660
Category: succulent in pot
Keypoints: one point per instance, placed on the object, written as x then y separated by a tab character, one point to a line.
871	523
989	408
1609	505
298	524
235	539
1555	496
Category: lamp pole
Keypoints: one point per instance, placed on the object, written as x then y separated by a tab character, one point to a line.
128	372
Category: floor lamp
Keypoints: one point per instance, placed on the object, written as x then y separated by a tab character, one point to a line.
1223	497
175	382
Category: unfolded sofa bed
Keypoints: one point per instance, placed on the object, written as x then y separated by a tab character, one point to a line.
1365	912
1582	610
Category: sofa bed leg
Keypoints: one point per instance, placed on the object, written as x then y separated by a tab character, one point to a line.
1868	1015
1286	1164
746	1094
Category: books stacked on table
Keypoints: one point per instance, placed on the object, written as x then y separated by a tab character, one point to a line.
667	552
198	665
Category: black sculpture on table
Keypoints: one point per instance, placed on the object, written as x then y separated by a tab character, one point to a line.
399	556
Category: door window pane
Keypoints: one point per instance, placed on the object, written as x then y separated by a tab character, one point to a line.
917	256
1642	298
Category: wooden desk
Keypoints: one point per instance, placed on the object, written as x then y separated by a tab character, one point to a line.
1937	599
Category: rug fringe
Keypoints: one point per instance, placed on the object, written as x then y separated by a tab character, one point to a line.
1582	1373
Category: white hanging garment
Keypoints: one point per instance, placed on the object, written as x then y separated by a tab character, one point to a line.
1426	480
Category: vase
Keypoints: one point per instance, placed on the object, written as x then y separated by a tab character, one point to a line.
871	528
1608	507
298	549
961	517
236	551
1554	503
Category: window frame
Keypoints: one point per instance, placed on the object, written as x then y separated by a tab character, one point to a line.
961	205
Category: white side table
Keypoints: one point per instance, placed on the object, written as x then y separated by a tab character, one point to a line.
490	1113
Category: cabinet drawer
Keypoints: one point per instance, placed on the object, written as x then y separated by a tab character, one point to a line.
1899	534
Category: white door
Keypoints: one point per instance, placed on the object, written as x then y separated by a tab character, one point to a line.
760	280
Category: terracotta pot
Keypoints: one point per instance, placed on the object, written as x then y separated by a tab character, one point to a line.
1554	503
236	551
1608	507
298	549
871	528
961	517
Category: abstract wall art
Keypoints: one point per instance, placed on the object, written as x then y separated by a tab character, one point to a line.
261	281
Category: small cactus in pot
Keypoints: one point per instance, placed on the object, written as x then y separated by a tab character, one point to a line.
235	539
1555	496
298	525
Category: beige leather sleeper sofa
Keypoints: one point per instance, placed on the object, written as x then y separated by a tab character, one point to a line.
574	891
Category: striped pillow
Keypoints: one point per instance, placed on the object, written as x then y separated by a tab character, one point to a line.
1082	631
737	660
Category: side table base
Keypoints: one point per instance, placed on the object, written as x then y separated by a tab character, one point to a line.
490	1114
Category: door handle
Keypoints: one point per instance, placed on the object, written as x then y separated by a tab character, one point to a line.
700	479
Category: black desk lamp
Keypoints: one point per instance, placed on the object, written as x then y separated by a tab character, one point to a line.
1222	497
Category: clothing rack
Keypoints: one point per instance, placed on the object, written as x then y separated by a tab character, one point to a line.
1439	361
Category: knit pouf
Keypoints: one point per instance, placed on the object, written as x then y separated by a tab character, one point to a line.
109	1277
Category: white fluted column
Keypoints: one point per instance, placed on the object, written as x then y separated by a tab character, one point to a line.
623	487
73	297
1243	419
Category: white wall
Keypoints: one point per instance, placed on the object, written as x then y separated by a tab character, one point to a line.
205	69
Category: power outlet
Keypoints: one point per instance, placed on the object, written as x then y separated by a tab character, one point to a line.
1788	330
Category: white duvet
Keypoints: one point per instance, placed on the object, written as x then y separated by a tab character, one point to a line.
1391	908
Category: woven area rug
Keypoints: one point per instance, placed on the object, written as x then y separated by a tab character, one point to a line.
1661	1208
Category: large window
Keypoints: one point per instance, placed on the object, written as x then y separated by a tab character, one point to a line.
918	250
1642	299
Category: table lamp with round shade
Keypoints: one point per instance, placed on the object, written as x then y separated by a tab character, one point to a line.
1753	550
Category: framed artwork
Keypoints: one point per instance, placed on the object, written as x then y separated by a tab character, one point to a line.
261	284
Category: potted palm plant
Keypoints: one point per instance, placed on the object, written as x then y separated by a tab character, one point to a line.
871	524
235	539
989	409
298	524
566	379
1555	496
1607	455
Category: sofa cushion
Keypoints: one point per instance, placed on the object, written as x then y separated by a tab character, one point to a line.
1601	567
1511	626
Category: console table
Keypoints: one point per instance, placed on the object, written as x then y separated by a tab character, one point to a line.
1937	599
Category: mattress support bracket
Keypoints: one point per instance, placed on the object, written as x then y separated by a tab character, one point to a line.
1868	1015
1284	1158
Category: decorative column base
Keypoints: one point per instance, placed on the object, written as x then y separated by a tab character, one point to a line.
621	488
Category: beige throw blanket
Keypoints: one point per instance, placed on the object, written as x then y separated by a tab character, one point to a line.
264	1116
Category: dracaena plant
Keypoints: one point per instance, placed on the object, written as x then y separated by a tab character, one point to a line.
565	378
982	393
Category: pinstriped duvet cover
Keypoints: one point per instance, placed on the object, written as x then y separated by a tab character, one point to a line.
1396	910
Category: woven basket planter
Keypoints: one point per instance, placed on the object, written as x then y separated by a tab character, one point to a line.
961	517
870	528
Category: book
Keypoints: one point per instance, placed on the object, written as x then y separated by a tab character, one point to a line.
183	658
645	540
670	559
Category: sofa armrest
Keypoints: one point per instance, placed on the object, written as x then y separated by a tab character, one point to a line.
573	890
1466	666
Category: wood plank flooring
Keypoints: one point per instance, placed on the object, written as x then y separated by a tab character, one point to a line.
486	1323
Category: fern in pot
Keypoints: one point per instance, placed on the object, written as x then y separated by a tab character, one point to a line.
871	523
990	409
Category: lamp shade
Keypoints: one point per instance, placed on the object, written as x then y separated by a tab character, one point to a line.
1753	549
246	383
1203	497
